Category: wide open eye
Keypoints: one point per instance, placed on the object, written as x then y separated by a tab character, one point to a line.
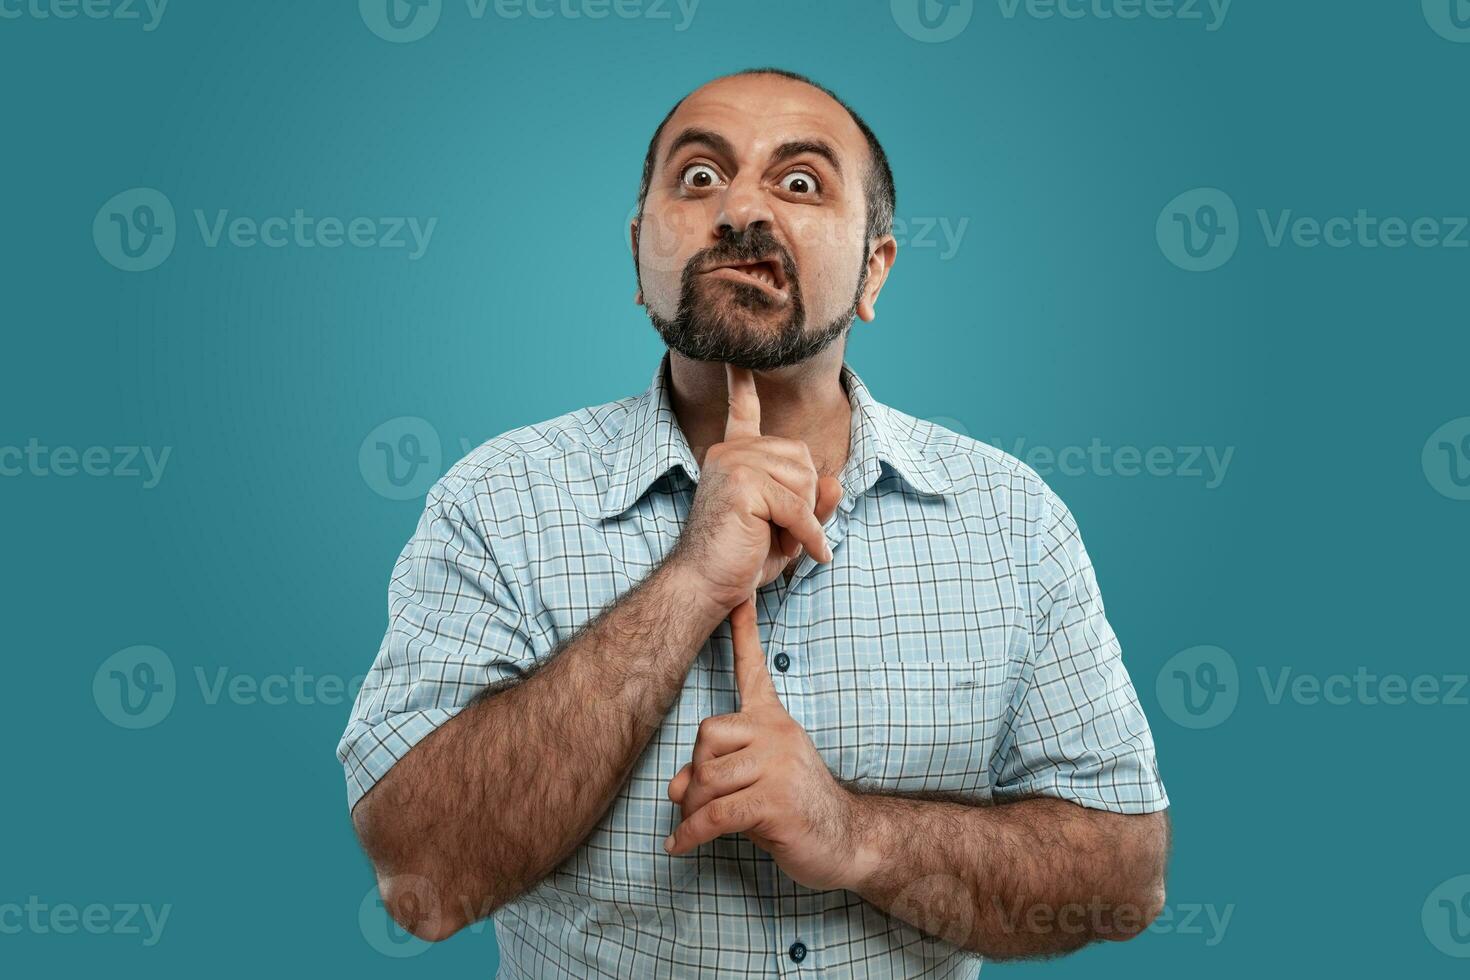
800	182
699	176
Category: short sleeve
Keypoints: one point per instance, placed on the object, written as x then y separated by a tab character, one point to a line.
453	628
1076	730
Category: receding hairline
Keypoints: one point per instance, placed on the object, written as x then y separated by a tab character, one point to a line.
756	72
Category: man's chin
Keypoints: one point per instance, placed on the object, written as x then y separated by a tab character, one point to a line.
722	325
756	351
759	339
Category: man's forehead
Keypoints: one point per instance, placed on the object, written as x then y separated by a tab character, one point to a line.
760	112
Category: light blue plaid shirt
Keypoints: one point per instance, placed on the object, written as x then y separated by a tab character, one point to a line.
957	642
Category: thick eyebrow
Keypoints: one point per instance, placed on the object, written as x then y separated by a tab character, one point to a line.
797	147
706	137
785	151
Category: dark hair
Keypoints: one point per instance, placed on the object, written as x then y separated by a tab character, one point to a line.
877	183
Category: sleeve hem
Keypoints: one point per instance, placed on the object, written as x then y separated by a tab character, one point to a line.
368	751
1150	799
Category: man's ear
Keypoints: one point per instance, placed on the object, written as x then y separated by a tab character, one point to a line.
633	238
880	259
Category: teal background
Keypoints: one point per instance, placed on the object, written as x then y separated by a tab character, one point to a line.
264	549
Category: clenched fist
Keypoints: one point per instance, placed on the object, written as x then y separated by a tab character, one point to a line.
759	502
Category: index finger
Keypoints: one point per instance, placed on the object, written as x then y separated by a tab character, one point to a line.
743	420
752	679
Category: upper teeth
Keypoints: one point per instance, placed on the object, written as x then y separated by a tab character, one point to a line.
759	271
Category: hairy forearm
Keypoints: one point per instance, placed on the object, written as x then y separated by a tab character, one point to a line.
1036	877
489	803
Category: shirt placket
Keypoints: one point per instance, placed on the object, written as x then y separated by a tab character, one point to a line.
787	607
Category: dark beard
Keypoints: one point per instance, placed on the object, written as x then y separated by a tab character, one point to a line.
715	331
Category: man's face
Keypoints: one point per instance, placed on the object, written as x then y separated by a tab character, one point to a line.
752	246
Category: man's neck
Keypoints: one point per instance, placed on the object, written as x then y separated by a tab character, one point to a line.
805	401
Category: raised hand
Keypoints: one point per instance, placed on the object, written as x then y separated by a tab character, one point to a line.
757	772
759	502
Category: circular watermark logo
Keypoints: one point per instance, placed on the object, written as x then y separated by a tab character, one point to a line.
378	927
1199	687
661	238
400	21
934	906
1449	18
135	688
1446	917
1446	459
135	230
1199	230
400	459
932	21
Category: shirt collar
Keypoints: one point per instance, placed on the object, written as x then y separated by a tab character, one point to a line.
882	436
651	443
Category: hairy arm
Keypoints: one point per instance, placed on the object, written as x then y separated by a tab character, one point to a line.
1036	877
491	801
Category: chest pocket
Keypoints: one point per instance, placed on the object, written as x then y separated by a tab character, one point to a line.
930	726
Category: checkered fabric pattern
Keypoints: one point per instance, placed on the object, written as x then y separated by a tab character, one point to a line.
957	642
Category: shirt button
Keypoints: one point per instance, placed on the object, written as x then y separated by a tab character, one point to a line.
782	662
797	952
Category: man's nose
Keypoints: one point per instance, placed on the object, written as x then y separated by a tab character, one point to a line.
743	204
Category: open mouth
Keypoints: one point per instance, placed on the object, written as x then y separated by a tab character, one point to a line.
766	273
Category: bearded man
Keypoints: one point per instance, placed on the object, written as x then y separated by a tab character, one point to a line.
752	674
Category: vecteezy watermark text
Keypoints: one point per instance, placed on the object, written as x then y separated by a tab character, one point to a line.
1200	230
1207	463
137	687
935	21
137	230
40	918
123	462
149	13
1210	13
1200	688
1100	917
405	21
302	230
